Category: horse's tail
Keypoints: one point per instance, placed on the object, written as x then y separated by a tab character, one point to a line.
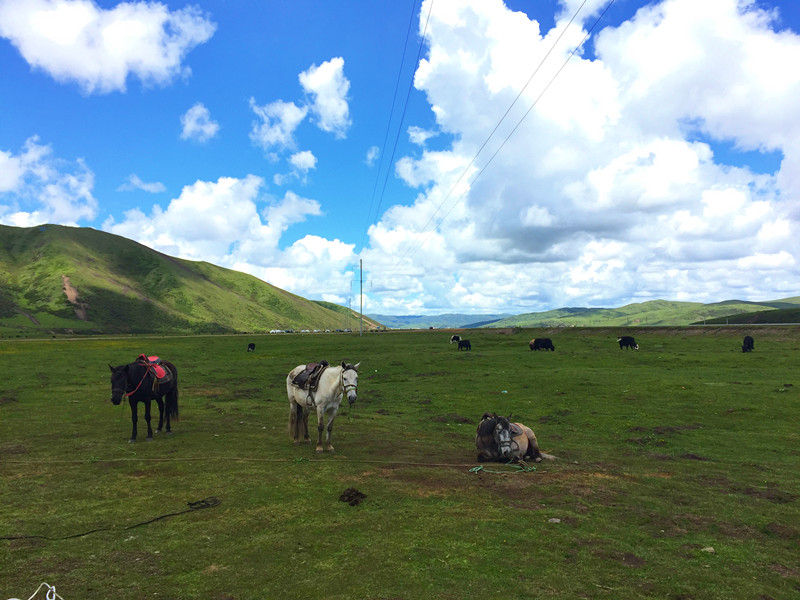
295	419
172	395
547	456
172	404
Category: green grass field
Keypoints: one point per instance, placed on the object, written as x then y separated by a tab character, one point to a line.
664	454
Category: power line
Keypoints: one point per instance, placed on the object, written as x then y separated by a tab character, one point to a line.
389	122
491	158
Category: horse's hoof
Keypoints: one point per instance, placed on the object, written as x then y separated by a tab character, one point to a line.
132	441
319	450
150	439
331	450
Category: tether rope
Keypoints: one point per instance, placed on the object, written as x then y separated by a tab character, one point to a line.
209	502
51	592
519	467
245	459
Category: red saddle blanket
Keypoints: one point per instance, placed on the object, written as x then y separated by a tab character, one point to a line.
154	364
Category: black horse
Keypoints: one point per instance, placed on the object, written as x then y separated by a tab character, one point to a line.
138	381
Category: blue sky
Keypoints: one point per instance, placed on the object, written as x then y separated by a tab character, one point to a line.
294	139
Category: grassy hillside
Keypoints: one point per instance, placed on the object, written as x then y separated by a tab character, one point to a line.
781	315
652	313
68	280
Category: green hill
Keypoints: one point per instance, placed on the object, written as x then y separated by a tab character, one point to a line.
56	279
764	317
653	313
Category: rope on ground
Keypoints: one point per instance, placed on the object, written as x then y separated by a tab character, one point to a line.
209	502
518	467
302	459
51	592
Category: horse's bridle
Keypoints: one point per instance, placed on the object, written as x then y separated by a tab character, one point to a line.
349	386
125	392
510	443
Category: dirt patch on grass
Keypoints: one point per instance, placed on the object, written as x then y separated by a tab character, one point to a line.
657	434
452	418
771	493
144	563
13	450
665	429
647	440
694	457
678	525
556	417
247	393
784	571
782	531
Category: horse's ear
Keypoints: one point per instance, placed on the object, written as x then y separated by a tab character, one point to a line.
355	366
344	365
110	367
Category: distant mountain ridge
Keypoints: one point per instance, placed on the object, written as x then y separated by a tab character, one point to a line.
67	280
445	321
79	280
650	313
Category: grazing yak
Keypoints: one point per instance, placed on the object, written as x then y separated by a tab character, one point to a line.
251	347
748	345
455	339
542	344
626	342
464	344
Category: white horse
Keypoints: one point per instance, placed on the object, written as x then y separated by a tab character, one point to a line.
333	384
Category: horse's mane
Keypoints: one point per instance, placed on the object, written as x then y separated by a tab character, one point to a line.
486	426
489	422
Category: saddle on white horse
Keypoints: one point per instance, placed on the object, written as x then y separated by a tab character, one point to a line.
308	378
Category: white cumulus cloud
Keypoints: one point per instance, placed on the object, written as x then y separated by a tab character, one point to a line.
229	222
278	122
134	182
197	124
38	187
614	187
99	49
328	87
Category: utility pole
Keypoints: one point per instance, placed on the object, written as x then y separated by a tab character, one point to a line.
361	293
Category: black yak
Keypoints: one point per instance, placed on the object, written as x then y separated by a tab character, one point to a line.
542	344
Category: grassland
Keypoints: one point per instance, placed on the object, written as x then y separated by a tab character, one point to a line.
676	477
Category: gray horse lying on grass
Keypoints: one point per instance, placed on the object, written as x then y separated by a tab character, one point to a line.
500	440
